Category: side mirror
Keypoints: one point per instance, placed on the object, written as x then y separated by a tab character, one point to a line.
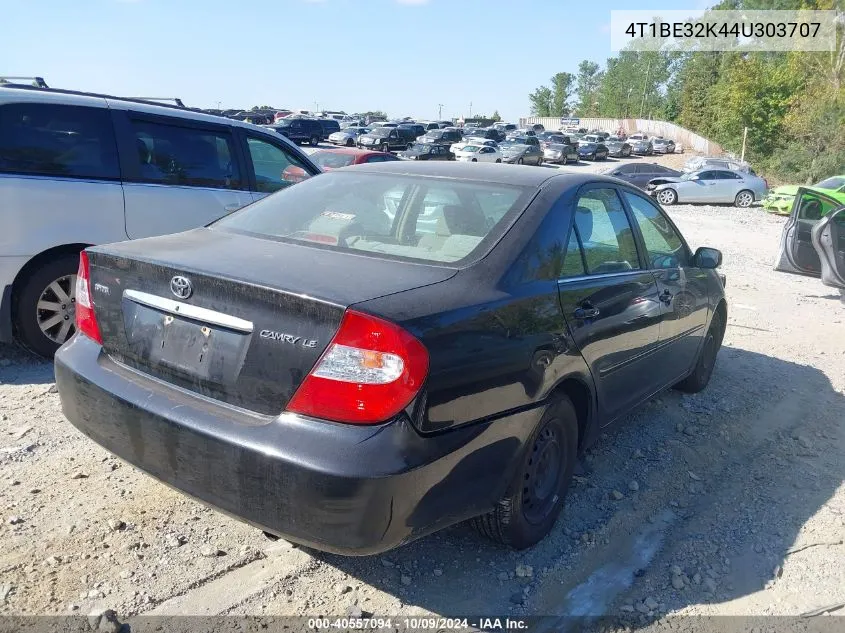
706	257
294	174
695	177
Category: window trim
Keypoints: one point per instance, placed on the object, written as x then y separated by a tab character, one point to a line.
121	174
242	139
639	236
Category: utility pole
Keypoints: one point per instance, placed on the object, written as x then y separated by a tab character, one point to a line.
744	137
645	87
439	111
470	110
218	104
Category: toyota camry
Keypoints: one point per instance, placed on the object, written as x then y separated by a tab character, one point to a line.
385	350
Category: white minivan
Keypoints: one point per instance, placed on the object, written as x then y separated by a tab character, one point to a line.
78	169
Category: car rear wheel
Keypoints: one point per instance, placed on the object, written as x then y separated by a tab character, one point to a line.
703	369
498	160
45	309
564	160
539	161
535	496
667	196
744	199
385	148
474	160
410	145
315	140
519	161
350	143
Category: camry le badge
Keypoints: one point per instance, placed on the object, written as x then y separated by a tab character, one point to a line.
181	287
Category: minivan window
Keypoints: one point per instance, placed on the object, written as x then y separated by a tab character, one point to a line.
57	140
386	215
176	155
273	167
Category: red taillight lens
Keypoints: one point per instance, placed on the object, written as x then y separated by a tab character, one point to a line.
370	371
86	321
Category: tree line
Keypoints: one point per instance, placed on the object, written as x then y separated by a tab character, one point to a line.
793	103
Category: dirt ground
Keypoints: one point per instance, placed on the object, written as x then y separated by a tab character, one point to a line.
727	502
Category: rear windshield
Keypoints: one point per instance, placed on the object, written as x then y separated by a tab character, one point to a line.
399	216
332	160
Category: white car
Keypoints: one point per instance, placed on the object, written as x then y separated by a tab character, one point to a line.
477	153
472	140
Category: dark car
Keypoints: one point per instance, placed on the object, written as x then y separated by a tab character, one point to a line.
441	137
522	150
561	153
427	151
589	148
387	139
300	130
330	126
418	129
385	350
618	146
490	133
639	174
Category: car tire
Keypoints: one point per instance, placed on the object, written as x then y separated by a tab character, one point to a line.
706	360
350	143
385	148
667	196
744	199
314	141
535	496
410	145
29	319
498	160
519	161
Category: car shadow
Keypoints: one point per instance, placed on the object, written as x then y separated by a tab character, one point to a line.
20	367
725	481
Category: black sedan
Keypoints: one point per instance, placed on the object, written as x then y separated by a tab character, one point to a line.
427	151
592	150
618	147
372	355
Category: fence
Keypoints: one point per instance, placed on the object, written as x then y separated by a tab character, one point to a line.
689	140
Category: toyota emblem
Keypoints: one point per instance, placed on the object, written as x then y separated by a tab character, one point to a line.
181	287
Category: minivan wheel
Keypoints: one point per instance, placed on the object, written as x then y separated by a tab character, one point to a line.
45	307
744	199
315	141
700	375
535	496
474	160
350	143
667	196
519	161
385	148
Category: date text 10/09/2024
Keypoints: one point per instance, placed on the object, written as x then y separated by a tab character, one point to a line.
681	30
417	624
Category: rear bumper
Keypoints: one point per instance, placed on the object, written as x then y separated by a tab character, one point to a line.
341	488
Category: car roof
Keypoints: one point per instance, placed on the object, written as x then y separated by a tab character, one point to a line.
351	151
480	172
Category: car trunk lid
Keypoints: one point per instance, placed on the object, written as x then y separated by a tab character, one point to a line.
256	317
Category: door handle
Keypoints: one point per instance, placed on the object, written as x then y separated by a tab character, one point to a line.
665	297
586	312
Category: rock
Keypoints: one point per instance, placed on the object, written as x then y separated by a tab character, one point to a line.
517	598
804	442
503	576
73	607
679	427
642	608
438	572
638	454
126	574
174	540
14	520
689	430
710	585
693	476
633	486
616	495
53	561
6	591
678	582
627	608
524	571
342	588
103	620
116	525
676	571
79	475
94	594
651	603
405	580
212	552
696	580
34	491
354	611
387	563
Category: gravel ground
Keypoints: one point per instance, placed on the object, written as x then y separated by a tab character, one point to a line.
727	502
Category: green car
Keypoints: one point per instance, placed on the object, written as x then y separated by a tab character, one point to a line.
779	200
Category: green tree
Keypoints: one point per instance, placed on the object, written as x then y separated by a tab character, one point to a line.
562	86
541	101
496	116
588	83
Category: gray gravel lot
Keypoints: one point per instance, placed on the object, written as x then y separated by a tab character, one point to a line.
727	502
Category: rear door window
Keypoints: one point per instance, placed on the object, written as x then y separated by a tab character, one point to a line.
57	140
605	233
664	246
177	155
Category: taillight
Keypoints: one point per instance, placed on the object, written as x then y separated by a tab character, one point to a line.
370	371
86	321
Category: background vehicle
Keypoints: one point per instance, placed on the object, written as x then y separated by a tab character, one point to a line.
78	169
561	153
472	153
416	128
640	174
472	140
697	163
709	185
330	126
347	136
663	146
617	146
335	158
387	138
412	331
443	137
427	151
591	148
522	150
780	199
640	146
300	130
813	238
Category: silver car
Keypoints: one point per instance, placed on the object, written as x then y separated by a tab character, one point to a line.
347	136
709	186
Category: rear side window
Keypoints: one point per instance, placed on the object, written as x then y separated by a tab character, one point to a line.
57	140
605	233
388	215
177	155
664	245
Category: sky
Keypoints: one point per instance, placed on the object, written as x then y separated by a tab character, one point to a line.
417	58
